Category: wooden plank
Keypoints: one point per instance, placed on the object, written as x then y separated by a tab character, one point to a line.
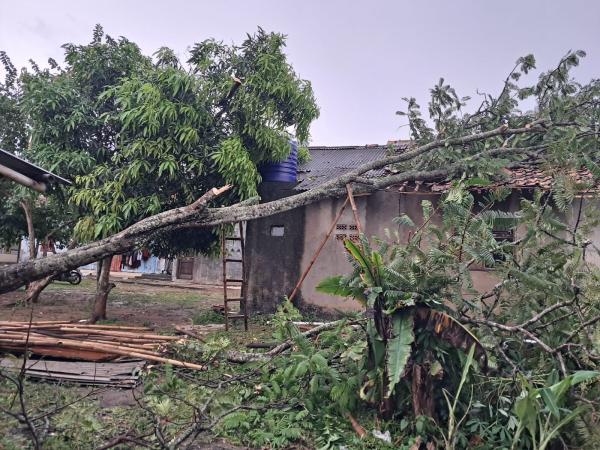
85	355
158	337
76	367
4	333
35	322
112	327
354	209
122	374
112	349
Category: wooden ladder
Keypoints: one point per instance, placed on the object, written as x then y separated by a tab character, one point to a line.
242	312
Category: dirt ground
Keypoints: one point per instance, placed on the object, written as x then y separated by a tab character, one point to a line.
160	307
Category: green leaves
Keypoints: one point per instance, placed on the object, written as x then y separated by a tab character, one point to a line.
541	410
142	137
399	347
334	286
233	162
370	263
404	220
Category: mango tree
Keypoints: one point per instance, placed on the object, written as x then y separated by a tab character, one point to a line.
24	213
140	135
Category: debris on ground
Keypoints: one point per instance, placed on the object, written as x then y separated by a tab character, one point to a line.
85	342
122	374
200	331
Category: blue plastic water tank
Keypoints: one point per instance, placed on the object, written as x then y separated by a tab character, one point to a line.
284	171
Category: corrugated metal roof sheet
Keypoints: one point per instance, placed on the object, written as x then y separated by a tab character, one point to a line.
28	169
330	162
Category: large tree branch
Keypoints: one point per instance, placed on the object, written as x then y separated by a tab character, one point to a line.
336	188
198	214
16	275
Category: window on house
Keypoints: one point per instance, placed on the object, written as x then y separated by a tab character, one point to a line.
502	236
345	231
277	230
341	230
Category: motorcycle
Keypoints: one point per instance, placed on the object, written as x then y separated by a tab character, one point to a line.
70	276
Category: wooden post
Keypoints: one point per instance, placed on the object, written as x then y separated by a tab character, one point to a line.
243	289
224	257
316	255
354	210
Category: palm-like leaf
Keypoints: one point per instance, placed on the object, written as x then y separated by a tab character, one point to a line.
341	286
399	347
362	258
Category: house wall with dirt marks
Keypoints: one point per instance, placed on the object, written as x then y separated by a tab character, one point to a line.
9	256
274	249
281	248
276	262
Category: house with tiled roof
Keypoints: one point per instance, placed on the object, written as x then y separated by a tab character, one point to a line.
281	248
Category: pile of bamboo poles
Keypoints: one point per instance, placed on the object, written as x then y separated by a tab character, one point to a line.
87	342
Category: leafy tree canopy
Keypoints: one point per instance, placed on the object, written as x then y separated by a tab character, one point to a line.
48	213
143	134
566	111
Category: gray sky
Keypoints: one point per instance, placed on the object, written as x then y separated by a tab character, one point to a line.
362	57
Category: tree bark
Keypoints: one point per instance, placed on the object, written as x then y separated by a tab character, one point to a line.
422	391
30	231
103	288
98	270
16	275
383	325
35	288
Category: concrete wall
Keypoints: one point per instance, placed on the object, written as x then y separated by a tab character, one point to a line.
375	212
9	256
591	255
209	269
274	261
277	263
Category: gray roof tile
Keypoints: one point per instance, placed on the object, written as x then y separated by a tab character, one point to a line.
330	162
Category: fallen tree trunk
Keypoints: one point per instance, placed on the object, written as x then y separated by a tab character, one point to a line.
17	275
36	287
199	215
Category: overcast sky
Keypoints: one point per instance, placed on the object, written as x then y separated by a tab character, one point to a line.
361	56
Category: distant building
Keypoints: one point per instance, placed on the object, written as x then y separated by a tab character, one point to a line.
9	256
27	174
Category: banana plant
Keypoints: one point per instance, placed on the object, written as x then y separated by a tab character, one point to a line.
403	294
